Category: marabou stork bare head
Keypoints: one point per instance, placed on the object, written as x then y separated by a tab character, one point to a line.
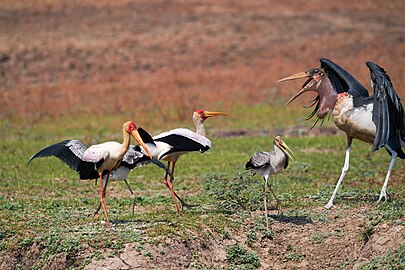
278	141
318	82
203	115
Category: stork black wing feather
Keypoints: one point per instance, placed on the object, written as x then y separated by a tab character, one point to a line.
146	137
388	112
71	153
182	143
342	81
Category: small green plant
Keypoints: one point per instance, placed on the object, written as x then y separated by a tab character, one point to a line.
240	193
295	257
251	237
240	258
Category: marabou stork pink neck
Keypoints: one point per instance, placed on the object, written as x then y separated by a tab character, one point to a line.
327	97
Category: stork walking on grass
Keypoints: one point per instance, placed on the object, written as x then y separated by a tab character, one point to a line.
269	163
170	145
377	119
101	158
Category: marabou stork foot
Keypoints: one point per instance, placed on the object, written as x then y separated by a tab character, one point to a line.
329	205
384	195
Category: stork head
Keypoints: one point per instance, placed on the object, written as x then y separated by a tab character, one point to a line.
130	128
202	115
314	76
278	141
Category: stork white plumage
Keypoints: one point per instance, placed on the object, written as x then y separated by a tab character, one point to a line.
100	158
377	119
269	163
170	145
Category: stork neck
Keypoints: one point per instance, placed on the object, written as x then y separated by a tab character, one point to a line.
125	143
327	97
199	126
278	150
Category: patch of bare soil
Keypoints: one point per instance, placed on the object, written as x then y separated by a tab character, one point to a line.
328	239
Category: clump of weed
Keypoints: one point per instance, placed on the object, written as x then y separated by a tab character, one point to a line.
241	192
392	260
295	257
251	237
240	258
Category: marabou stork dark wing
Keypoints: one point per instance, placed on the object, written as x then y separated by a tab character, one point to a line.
342	81
388	112
258	160
71	153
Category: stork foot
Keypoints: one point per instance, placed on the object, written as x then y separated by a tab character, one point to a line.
384	195
329	205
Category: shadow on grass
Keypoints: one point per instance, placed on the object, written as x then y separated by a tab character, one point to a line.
297	220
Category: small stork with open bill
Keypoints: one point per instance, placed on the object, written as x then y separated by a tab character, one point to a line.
268	163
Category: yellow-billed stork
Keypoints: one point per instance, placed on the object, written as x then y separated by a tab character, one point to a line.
170	145
101	158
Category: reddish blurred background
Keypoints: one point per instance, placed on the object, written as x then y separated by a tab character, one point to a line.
70	57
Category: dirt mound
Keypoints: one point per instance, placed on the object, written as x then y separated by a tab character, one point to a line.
320	239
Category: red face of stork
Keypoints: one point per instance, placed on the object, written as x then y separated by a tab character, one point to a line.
131	128
205	114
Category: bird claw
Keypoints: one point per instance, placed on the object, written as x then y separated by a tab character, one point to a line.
384	195
329	205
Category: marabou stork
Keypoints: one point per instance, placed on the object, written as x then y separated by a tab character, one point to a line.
377	119
172	144
100	158
268	163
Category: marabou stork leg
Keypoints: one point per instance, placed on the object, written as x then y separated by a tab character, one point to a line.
266	178
103	186
344	171
279	209
383	192
132	196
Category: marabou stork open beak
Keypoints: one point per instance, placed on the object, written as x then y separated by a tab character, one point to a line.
210	114
286	149
306	87
138	138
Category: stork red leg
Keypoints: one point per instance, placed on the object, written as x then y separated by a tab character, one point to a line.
172	190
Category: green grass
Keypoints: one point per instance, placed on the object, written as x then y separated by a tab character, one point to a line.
46	204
